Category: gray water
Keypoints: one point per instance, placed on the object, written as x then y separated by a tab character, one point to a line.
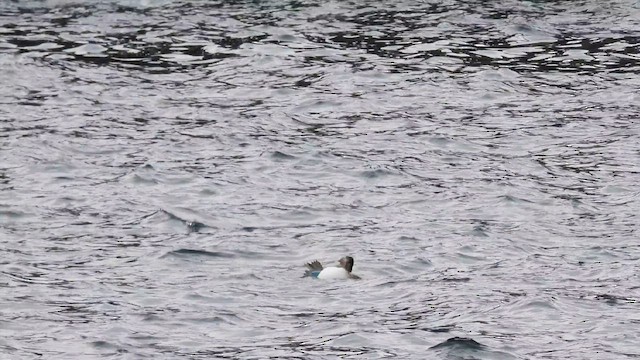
168	167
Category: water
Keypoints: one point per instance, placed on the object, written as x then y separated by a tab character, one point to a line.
167	168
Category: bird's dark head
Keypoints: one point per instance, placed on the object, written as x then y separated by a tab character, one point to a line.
347	263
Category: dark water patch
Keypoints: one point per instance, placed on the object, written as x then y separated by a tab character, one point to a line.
455	279
440	329
32	277
210	320
186	253
138	179
512	199
468	348
615	299
481	229
374	174
13	215
105	345
459	343
127	39
513	293
278	155
394	283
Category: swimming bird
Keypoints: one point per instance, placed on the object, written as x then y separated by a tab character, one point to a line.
316	270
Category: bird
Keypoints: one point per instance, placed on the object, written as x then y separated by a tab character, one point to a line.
316	270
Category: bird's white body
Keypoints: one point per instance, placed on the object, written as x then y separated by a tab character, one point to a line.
333	273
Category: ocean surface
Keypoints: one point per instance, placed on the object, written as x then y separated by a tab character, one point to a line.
168	167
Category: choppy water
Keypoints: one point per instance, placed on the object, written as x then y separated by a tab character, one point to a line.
167	167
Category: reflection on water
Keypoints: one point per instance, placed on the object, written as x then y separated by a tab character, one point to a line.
451	37
167	167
